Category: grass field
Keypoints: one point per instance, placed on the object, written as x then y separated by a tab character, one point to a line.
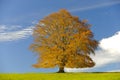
61	76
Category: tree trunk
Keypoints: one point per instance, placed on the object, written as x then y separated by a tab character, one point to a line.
61	70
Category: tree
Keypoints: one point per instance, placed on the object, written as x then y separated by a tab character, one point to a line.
63	40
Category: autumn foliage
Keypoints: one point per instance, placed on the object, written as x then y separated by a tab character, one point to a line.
63	40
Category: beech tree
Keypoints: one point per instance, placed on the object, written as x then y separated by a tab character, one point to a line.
62	40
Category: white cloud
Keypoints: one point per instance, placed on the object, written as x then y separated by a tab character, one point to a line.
2	28
110	3
109	50
117	70
108	53
6	28
34	22
14	33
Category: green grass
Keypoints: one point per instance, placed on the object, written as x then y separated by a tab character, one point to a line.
61	76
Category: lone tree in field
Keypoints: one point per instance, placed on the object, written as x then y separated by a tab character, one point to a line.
63	40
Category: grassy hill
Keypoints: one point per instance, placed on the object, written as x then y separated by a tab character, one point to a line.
61	76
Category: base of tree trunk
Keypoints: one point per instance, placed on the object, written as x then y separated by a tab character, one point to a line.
61	70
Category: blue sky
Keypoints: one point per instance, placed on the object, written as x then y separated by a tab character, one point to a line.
18	17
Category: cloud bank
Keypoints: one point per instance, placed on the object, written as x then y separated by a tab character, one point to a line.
110	3
11	33
108	53
109	50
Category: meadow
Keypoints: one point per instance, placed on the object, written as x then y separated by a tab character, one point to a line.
61	76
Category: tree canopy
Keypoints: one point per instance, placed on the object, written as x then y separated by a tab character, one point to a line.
63	40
